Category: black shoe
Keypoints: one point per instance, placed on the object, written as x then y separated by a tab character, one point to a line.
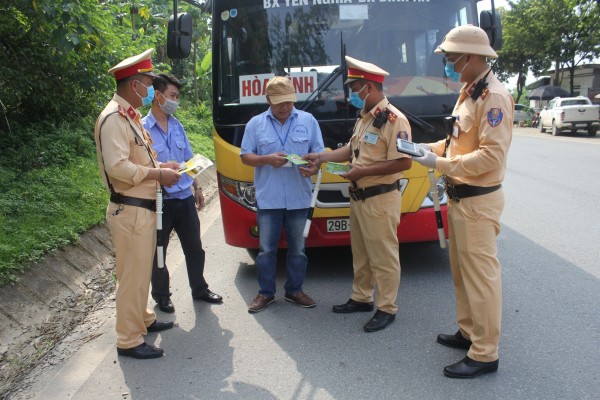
159	326
468	368
209	297
457	340
165	305
352	306
143	351
380	320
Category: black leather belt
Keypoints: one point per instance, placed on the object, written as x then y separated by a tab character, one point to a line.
118	198
365	193
457	192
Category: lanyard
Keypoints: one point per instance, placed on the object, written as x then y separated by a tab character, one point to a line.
165	136
166	139
277	133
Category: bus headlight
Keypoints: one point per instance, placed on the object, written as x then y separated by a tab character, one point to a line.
242	193
249	194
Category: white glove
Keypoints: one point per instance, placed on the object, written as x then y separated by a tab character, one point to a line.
427	159
424	146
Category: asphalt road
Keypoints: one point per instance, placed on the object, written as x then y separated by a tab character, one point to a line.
550	344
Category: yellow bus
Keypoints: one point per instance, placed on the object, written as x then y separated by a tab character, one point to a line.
254	40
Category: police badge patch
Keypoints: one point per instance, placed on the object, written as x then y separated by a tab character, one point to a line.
494	117
403	135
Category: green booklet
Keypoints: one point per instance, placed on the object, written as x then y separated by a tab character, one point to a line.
337	168
296	159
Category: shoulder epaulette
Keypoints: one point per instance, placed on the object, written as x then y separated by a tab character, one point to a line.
484	94
131	112
391	116
122	111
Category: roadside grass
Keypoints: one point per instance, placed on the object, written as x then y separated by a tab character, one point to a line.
51	189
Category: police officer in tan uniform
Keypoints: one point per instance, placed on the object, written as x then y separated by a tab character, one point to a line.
473	159
375	170
132	175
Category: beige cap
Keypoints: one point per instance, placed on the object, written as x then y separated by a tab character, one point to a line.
139	64
281	89
467	39
363	70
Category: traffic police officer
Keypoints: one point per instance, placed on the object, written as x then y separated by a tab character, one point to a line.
132	174
474	163
375	170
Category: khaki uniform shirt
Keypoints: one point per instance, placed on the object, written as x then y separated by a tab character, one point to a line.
378	144
478	155
122	147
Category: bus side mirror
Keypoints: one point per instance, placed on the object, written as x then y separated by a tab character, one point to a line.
492	25
179	36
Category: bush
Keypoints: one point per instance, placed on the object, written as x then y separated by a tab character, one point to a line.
51	189
197	121
36	146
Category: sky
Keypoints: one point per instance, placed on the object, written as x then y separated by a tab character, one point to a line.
486	4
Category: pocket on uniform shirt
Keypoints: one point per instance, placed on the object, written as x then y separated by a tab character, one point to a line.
267	145
300	145
138	141
159	147
180	145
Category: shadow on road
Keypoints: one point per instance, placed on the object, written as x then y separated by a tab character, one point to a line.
550	332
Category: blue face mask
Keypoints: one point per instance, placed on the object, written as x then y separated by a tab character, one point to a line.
451	72
355	99
149	96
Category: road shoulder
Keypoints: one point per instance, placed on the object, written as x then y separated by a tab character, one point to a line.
67	294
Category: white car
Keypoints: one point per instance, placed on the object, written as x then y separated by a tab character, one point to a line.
570	114
522	113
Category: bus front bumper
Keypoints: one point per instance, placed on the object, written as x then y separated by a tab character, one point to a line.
240	227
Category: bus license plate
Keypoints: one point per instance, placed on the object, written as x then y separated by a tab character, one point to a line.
338	225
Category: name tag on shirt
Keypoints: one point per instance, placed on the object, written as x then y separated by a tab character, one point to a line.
371	138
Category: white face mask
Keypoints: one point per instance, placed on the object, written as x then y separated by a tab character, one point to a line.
169	107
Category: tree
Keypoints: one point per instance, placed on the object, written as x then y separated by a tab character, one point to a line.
581	38
54	55
538	33
519	53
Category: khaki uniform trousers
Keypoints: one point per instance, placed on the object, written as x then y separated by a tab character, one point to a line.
376	258
133	232
473	224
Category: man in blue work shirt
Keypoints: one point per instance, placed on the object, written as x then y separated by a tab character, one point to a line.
180	203
283	190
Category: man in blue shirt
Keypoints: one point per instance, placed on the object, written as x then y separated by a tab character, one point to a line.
283	190
180	202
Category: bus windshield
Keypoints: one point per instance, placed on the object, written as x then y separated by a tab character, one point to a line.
255	40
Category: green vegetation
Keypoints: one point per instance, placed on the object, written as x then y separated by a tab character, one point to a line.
52	190
54	58
541	34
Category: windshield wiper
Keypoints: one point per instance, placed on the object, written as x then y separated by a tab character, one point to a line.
333	75
340	70
417	120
